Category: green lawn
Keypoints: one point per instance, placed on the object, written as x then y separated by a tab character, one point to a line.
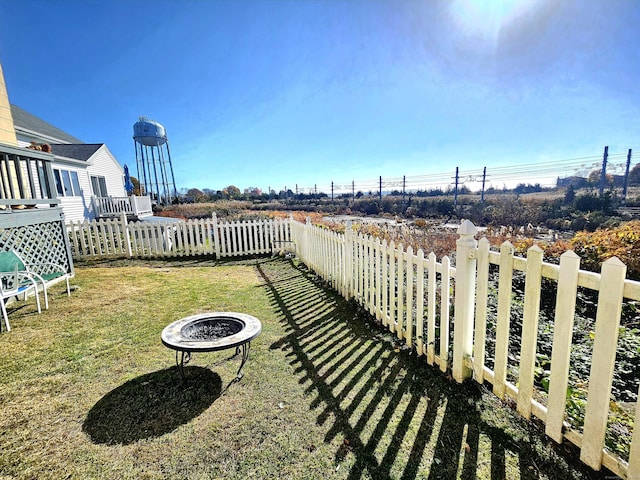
87	390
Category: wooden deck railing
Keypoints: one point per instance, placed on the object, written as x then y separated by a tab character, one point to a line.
26	178
114	207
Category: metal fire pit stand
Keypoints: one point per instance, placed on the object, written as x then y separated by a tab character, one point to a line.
183	357
175	336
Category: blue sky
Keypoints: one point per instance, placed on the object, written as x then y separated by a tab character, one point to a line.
276	93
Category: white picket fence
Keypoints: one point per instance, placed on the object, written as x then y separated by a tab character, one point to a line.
117	238
439	310
419	298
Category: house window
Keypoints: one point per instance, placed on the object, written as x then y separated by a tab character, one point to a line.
99	186
67	183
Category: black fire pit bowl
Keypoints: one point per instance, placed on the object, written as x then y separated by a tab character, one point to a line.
210	332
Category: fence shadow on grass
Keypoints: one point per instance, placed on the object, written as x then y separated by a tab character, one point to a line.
396	416
151	405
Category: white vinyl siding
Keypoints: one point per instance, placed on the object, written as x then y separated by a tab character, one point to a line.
102	164
75	190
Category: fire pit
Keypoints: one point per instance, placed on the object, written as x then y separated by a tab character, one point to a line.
210	332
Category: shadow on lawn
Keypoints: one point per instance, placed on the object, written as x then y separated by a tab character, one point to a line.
151	405
396	415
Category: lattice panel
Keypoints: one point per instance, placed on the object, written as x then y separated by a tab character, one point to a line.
37	244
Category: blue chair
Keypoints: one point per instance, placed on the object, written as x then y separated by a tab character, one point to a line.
14	283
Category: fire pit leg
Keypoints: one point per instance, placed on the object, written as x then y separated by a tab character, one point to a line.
180	364
245	354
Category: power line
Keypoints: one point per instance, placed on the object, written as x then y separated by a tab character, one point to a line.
522	173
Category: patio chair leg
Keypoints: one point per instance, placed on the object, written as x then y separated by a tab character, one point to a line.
46	298
5	316
38	299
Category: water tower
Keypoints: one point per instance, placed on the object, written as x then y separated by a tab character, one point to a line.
155	171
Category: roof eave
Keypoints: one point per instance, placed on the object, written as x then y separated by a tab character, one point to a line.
49	138
73	161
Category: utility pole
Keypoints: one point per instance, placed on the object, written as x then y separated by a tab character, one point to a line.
381	190
404	185
315	188
484	178
603	174
626	178
353	190
332	191
455	192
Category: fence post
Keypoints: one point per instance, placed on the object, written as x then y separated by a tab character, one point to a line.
125	230
310	247
133	204
464	299
216	236
348	246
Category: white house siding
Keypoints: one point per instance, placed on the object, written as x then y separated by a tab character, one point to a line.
73	208
76	208
103	164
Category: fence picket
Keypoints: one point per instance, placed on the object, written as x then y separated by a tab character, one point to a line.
503	319
445	302
392	287
104	244
482	295
159	240
85	239
420	303
409	297
94	239
251	234
378	274
117	236
431	310
111	235
562	341
633	472
360	271
399	295
385	284
191	244
372	276
529	339
603	361
225	239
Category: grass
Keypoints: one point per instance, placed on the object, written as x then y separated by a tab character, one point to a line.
88	390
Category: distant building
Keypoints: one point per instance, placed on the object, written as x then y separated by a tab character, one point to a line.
253	191
573	181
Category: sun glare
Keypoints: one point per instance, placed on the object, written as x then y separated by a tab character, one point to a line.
484	19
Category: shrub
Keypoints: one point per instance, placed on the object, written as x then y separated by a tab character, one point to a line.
622	241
